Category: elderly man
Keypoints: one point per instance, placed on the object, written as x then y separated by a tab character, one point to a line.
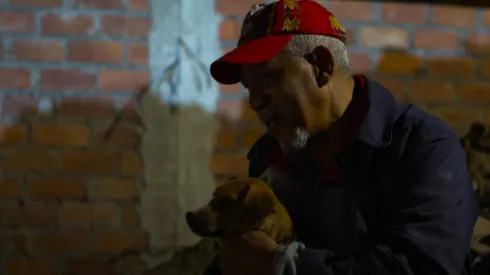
373	186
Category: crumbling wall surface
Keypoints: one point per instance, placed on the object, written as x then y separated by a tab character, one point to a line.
180	118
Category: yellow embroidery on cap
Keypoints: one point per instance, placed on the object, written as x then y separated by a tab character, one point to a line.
290	4
291	25
335	24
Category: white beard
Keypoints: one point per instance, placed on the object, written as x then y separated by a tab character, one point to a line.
299	141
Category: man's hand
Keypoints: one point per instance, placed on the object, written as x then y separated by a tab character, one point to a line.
251	253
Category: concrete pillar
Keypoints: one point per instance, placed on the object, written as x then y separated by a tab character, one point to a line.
180	121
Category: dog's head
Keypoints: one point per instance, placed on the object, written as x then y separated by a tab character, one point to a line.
238	206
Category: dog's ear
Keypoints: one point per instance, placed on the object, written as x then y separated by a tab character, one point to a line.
264	207
243	193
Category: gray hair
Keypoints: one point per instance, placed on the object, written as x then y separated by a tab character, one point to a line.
302	44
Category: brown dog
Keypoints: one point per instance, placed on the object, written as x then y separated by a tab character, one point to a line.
242	205
477	146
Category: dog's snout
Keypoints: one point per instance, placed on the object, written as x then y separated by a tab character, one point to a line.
190	217
193	221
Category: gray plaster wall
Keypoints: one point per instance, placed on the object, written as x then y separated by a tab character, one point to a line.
179	117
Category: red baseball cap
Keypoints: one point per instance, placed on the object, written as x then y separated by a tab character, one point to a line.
267	29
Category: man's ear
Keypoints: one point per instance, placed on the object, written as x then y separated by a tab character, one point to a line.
324	59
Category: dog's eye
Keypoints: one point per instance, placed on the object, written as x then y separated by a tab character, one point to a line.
223	203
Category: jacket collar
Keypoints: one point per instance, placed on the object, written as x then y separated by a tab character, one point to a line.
376	127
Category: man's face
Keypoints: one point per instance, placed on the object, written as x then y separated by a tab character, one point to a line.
279	92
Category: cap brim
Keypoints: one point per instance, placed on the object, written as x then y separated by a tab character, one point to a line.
226	70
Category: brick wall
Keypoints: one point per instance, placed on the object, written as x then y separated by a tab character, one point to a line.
68	199
437	57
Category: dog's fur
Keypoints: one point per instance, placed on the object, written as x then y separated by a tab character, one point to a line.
242	205
477	146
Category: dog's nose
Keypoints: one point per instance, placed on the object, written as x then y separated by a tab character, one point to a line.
192	220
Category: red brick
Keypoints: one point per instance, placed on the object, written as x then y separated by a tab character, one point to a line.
399	63
485	67
59	135
63	242
432	91
397	87
55	24
38	50
229	164
29	161
95	51
458	116
118	241
360	62
99	107
486	17
130	216
226	138
235	7
384	38
478	44
22	106
350	36
17	22
124	137
66	79
55	188
229	30
37	3
10	188
352	10
454	16
452	66
75	213
138	53
436	40
105	214
113	188
93	266
415	14
97	4
131	163
116	25
250	135
90	162
30	215
13	134
140	5
13	242
29	266
475	91
110	80
15	79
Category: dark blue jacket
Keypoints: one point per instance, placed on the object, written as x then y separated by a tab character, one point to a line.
413	191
